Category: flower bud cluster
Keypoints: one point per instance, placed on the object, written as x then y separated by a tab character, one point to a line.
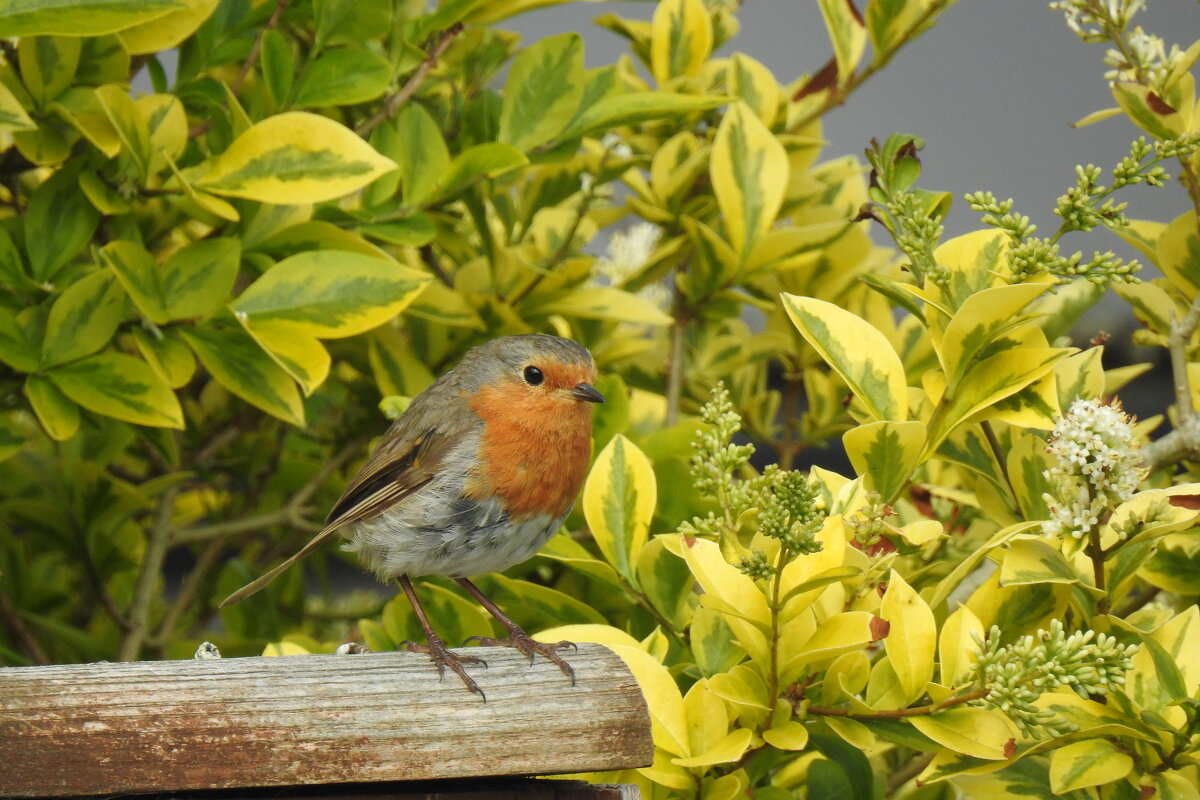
918	233
1016	674
1095	466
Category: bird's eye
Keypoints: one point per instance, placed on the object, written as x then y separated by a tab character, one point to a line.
534	376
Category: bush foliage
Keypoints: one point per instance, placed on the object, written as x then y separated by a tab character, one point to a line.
213	292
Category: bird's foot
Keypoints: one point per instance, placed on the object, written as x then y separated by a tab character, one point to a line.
520	640
442	657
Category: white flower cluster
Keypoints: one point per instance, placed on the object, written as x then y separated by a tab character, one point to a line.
1148	57
1095	467
627	252
1089	19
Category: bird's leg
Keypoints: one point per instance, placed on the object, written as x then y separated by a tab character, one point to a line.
517	638
435	648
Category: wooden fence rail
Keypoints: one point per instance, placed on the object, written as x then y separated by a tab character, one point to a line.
87	729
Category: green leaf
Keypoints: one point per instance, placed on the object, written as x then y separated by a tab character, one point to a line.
750	171
667	582
420	151
490	160
540	607
197	278
47	65
543	91
342	77
860	353
618	503
635	107
83	318
59	416
12	440
294	158
121	387
79	17
16	349
130	125
13	116
350	21
57	205
241	366
329	294
439	303
277	57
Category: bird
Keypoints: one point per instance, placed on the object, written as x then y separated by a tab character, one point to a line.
474	477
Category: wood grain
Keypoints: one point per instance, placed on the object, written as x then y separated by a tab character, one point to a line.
312	719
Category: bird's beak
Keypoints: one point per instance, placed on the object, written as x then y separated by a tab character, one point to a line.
585	391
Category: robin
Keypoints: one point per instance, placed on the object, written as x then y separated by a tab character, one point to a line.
474	477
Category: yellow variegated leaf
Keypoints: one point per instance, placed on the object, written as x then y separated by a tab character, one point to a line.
1034	560
989	381
1080	376
885	453
239	364
922	531
852	731
858	351
957	646
749	169
618	503
681	39
791	735
983	317
803	569
1092	762
668	720
121	387
755	85
978	732
729	749
707	718
1177	249
841	633
294	158
847	33
976	261
607	302
747	607
168	30
80	17
1149	111
742	685
329	294
912	638
545	85
58	414
302	356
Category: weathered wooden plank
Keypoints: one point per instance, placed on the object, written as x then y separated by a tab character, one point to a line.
313	719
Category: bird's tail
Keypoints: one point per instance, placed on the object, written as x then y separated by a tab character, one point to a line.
259	583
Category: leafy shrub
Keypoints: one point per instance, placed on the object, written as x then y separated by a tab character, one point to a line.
209	289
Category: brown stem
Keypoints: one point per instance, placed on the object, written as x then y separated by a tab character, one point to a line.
143	593
900	713
12	618
393	103
675	361
251	60
435	266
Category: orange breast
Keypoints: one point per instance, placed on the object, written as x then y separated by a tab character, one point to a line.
534	451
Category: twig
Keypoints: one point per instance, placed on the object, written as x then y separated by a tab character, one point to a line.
675	360
208	559
251	59
900	713
1184	440
909	771
430	260
12	618
143	593
393	103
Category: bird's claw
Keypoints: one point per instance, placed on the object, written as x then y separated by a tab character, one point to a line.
443	657
523	642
